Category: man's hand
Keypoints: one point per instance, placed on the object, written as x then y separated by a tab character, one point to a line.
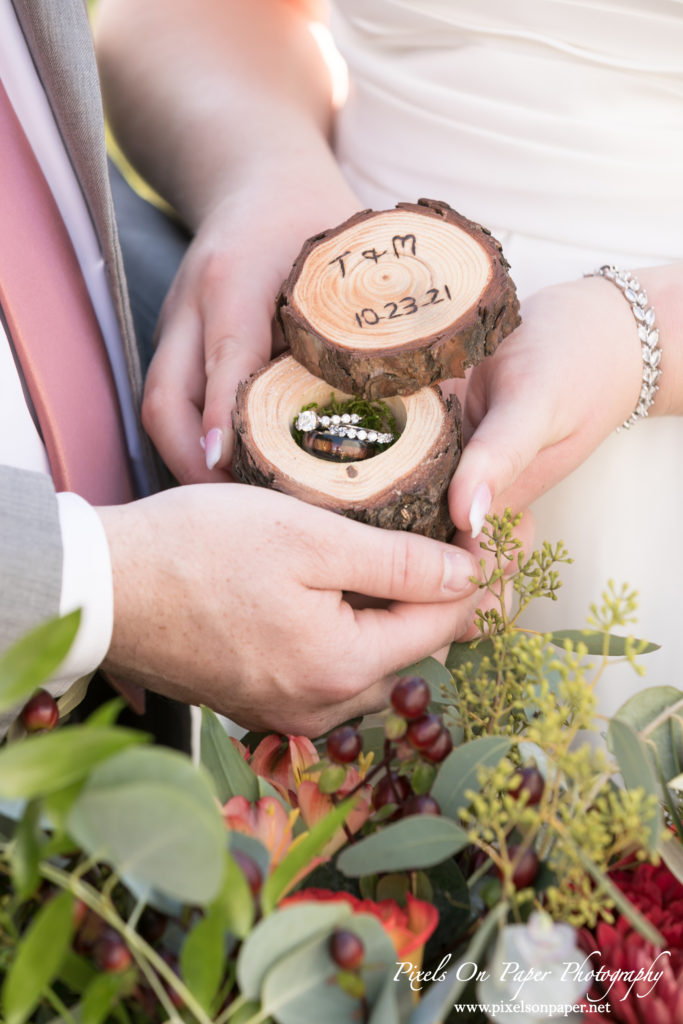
235	596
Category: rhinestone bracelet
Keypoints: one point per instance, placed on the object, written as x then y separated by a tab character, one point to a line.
647	332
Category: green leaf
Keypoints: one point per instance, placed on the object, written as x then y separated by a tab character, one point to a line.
436	674
153	816
101	996
666	740
226	766
300	987
474	652
38	957
106	714
34	658
25	853
598	643
47	762
439	1000
621	902
458	773
280	933
671	853
637	772
76	972
203	955
302	854
236	899
415	842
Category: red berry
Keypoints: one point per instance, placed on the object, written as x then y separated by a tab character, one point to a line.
344	744
440	749
394	789
532	784
410	697
526	871
88	932
41	713
78	914
111	953
250	870
423	804
346	949
424	731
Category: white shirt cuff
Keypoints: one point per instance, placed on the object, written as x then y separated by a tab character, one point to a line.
86	584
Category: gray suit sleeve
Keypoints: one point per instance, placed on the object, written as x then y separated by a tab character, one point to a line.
30	552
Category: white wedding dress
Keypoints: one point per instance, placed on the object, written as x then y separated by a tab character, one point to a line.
558	124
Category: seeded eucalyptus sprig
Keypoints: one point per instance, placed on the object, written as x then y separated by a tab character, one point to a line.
538	691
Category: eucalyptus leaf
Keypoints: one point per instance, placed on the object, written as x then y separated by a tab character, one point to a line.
152	814
418	841
436	1004
47	762
435	674
458	773
301	855
637	772
666	740
231	774
281	932
385	1009
300	987
34	658
203	955
39	955
598	643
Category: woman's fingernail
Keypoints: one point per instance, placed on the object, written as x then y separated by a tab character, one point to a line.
213	447
202	443
481	506
458	570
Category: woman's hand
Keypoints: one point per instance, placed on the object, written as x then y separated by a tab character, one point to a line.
216	323
554	390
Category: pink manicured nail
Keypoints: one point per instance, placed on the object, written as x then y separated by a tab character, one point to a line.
481	506
202	443
214	447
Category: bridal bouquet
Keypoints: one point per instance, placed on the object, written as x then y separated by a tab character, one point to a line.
475	852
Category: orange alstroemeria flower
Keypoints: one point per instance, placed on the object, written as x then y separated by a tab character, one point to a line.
314	805
265	820
408	927
282	761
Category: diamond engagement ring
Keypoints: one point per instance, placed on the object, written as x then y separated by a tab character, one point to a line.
344	425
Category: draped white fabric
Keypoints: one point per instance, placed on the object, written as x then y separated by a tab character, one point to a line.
559	125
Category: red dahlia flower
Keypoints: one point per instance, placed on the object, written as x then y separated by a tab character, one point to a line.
659	897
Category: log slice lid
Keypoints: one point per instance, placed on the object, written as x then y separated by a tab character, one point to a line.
389	302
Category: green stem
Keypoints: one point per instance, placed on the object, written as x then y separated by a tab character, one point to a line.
231	1010
137	945
57	1004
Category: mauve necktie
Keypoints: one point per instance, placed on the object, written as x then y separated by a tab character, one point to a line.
54	331
57	339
